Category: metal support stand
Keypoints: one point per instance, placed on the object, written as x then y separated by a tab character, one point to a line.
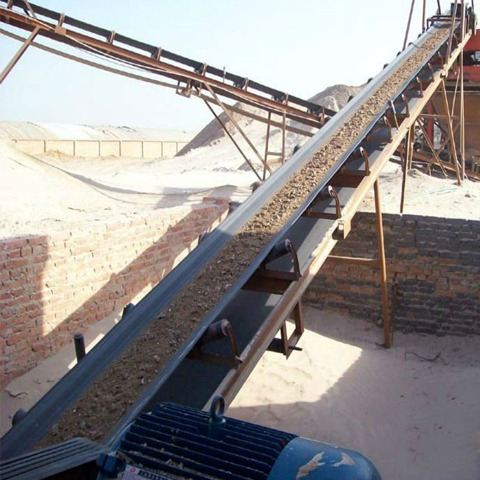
281	155
408	25
267	141
237	126
383	268
406	160
287	344
18	55
233	140
450	130
435	159
462	100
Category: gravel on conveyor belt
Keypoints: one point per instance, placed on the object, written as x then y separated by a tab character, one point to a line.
108	398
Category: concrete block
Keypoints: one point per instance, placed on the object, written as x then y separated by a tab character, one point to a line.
110	148
152	149
32	147
87	148
131	149
169	149
63	146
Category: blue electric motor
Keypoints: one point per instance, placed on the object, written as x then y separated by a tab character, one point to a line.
176	442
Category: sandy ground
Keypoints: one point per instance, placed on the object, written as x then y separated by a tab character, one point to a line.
41	195
414	410
413	416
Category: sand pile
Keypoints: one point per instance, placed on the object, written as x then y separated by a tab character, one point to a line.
213	134
64	131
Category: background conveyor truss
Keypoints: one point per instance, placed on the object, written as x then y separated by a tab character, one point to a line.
189	78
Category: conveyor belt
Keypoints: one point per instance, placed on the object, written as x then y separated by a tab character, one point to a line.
254	328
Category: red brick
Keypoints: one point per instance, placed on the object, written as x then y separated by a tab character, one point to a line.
37	240
16	263
13	243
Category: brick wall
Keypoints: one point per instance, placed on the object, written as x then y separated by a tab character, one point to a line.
433	262
54	286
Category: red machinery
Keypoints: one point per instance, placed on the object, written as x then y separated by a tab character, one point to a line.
471	59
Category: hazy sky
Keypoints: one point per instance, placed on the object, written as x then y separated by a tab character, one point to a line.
299	46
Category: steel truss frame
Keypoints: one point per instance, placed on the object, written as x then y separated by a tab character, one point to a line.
192	77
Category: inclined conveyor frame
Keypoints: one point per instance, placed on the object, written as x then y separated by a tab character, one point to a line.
312	238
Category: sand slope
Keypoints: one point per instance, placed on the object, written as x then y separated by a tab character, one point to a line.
414	418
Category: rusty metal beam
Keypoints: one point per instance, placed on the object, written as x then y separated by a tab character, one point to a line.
239	128
387	334
153	64
421	157
18	55
450	130
141	78
435	157
452	23
267	141
408	25
233	140
462	100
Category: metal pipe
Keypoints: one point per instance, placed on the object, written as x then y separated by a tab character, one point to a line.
462	101
405	160
79	341
383	266
450	131
230	136
242	133
408	24
454	13
424	15
267	142
18	55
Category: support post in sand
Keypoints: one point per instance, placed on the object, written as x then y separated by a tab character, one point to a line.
462	101
383	267
406	165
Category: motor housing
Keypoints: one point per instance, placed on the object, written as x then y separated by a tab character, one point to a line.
176	442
